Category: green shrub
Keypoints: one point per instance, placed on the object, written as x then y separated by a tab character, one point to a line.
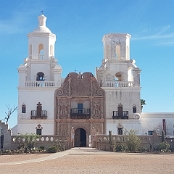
132	141
163	147
42	148
142	149
52	149
120	148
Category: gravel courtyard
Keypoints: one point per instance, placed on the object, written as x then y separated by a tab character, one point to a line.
87	160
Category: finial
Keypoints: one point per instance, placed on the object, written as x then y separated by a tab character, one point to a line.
42	11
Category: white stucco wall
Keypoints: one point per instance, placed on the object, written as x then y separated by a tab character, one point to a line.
32	97
153	121
127	125
29	126
147	122
128	97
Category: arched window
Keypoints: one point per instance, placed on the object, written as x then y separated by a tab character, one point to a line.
39	129
23	108
118	52
120	131
40	76
39	109
118	76
30	51
41	51
120	110
51	50
134	109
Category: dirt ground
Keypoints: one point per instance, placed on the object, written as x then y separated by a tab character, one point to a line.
87	161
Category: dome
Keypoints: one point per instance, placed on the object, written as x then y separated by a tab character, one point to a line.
42	28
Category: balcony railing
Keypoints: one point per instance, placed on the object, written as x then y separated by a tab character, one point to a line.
116	84
120	115
40	84
80	113
38	115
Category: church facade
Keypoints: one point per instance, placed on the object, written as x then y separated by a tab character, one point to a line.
82	103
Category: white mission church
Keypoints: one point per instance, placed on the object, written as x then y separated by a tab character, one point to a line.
110	101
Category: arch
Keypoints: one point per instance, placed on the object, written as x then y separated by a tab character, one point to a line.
40	76
41	51
51	50
30	51
130	75
23	108
134	109
118	52
39	109
80	137
118	76
120	110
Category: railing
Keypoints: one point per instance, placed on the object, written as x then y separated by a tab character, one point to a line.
38	115
40	56
120	115
40	84
43	140
116	84
80	113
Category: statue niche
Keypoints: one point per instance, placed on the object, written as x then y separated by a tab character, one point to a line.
63	108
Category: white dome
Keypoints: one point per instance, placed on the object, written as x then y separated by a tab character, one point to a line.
42	29
42	25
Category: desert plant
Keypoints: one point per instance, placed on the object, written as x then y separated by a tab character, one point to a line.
120	148
42	148
142	149
27	142
143	102
163	146
132	141
162	136
58	145
52	149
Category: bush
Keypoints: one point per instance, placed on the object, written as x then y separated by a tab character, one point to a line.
120	148
163	147
142	149
52	149
26	142
132	141
42	148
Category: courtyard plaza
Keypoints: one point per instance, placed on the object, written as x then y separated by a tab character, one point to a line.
87	160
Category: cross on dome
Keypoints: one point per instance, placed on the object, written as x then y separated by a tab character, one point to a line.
42	11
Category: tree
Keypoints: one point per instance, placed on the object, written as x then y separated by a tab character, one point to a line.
9	113
143	102
132	141
27	142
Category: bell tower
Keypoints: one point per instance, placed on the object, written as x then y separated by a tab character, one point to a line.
41	64
119	77
39	77
41	41
116	46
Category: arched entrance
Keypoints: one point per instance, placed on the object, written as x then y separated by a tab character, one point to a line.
80	138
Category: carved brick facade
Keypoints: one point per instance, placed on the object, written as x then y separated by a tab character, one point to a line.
79	103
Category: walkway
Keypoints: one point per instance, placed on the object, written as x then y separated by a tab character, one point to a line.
87	161
73	151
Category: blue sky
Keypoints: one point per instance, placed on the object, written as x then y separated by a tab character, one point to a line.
79	26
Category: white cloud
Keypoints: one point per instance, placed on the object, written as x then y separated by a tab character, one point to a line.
157	33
